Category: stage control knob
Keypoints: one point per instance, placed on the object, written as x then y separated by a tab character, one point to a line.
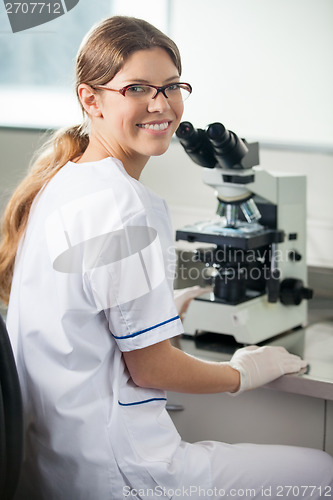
293	291
294	256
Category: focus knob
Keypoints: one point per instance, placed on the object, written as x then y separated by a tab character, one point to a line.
294	256
293	291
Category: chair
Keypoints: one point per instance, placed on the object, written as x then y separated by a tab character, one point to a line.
11	418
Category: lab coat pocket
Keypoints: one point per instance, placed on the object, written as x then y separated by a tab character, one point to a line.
149	428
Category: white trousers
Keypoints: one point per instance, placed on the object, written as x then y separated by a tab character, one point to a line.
259	471
210	470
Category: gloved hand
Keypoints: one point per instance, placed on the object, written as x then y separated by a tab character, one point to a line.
184	296
261	365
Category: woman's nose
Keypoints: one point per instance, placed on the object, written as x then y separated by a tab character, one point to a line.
159	103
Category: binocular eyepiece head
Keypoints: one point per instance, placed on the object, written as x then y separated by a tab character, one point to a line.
215	146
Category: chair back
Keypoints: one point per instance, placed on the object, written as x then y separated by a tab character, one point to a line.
11	418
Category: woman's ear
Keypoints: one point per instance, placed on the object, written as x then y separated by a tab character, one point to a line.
89	100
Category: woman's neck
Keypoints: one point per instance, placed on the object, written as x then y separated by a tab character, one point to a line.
96	151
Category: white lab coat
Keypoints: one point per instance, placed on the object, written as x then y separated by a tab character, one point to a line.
93	278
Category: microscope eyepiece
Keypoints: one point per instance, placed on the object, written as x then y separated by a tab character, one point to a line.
221	138
185	131
196	144
229	149
218	133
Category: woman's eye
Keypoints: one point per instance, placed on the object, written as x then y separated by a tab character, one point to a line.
174	86
136	89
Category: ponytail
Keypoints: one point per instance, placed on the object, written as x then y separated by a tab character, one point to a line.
64	145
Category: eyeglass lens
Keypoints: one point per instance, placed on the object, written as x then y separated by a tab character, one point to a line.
174	92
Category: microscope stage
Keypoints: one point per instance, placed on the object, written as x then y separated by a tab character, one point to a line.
239	237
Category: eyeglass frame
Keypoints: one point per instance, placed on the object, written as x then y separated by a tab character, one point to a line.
162	89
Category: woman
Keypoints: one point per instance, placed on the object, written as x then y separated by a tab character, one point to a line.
91	309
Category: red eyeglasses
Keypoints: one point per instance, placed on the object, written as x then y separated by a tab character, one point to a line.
174	92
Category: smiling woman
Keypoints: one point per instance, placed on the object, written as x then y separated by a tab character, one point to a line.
93	247
126	127
121	125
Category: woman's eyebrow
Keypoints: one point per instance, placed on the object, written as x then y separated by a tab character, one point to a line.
172	79
141	80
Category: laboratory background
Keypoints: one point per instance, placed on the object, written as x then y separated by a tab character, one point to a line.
264	69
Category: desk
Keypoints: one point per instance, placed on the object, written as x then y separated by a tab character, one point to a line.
294	409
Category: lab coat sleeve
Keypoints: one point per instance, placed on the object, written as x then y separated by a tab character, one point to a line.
129	282
123	251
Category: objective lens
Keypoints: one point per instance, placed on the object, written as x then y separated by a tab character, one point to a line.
250	210
220	208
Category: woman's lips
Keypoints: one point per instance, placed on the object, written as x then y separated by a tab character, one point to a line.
154	126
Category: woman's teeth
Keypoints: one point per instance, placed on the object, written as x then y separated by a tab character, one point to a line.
155	126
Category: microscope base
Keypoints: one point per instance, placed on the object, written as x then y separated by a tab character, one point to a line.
250	322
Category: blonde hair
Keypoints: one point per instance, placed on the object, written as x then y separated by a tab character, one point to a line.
101	55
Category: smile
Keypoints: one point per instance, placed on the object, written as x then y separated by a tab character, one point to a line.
154	126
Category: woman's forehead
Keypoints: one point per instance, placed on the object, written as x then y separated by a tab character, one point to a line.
143	65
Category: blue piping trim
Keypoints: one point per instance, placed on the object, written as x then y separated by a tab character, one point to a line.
142	402
146	330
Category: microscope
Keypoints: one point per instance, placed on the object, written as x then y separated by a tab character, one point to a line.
255	246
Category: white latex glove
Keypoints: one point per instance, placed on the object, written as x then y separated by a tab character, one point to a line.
184	296
261	365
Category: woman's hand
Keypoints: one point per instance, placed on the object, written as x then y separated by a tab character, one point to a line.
184	296
260	365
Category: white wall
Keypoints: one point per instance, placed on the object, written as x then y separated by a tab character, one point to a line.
262	67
